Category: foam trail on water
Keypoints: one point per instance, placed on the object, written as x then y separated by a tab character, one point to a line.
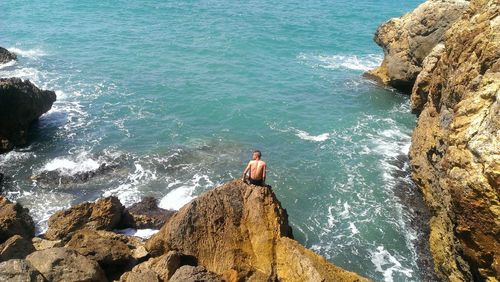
316	138
142	233
388	265
29	53
183	194
352	62
67	166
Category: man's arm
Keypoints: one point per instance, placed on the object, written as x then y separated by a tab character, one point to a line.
246	171
264	172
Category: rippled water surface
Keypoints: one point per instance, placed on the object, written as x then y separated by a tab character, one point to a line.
168	98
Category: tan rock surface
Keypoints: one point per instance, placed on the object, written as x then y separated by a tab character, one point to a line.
455	152
235	230
409	39
16	247
104	214
19	270
14	220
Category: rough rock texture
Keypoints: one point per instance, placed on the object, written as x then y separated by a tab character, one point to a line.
104	214
42	244
113	252
235	230
409	39
189	273
16	247
61	264
14	220
19	270
146	214
21	103
161	268
455	151
6	56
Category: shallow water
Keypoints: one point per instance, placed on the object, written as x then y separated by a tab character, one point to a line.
168	99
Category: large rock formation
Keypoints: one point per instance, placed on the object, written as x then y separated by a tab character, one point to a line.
14	220
6	56
104	214
455	151
240	231
17	270
409	39
21	103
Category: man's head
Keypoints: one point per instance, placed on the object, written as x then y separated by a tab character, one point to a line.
256	155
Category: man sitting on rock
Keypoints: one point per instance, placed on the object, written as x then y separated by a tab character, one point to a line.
256	169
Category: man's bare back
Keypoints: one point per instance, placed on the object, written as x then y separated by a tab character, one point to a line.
257	169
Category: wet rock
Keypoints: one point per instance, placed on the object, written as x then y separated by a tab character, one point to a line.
17	270
113	252
163	267
145	214
409	39
16	247
189	273
61	264
104	214
14	220
21	103
234	230
6	56
455	151
48	179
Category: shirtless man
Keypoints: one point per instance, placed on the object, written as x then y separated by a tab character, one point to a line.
257	169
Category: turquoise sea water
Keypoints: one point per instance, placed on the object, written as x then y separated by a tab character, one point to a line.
176	94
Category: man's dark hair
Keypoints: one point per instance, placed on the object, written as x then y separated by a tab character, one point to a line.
258	152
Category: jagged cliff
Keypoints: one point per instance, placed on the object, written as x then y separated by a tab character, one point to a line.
455	151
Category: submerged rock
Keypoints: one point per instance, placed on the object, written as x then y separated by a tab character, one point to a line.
21	103
14	220
61	264
17	270
145	214
6	56
236	231
409	39
104	214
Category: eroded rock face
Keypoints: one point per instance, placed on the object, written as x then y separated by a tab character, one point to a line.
409	39
16	247
17	270
455	151
235	230
14	220
21	103
146	214
6	56
104	214
189	273
61	264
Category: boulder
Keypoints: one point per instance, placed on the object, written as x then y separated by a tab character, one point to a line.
104	214
21	103
61	264
408	40
113	252
19	270
6	56
42	244
14	220
146	214
145	276
455	150
16	247
163	267
190	273
233	230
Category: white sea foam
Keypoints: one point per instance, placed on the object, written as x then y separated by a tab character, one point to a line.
71	166
142	233
353	228
29	53
387	264
183	194
8	64
352	62
316	138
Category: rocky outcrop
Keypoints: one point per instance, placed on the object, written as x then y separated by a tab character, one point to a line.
61	264
16	247
240	231
21	103
408	40
17	270
104	214
189	273
14	220
455	150
146	214
6	56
